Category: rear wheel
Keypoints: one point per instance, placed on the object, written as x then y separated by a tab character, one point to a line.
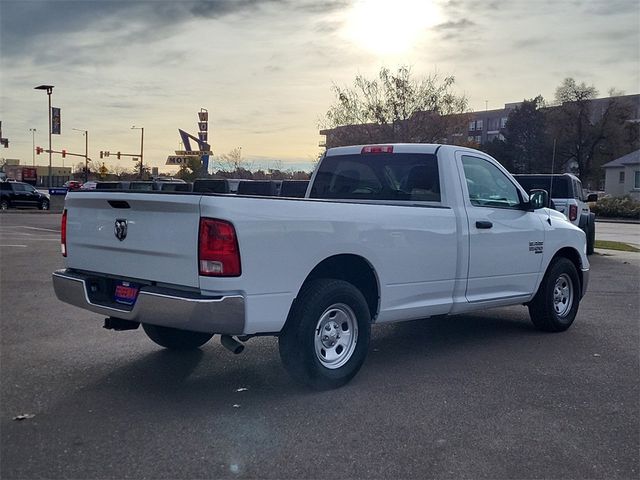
555	306
591	238
174	338
4	205
44	205
326	338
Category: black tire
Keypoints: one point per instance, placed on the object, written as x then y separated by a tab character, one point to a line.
44	205
174	338
4	205
328	303
591	238
547	310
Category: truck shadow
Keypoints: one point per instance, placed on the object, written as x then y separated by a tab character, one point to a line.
214	372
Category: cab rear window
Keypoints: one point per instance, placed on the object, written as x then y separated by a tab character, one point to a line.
395	176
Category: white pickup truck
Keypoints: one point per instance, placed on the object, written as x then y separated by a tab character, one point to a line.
385	233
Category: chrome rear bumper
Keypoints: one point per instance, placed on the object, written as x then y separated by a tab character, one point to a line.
159	306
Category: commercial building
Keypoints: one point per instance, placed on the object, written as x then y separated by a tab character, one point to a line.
483	126
13	170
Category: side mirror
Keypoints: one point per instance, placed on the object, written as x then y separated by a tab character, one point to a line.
592	197
538	199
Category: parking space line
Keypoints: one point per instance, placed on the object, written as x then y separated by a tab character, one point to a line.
22	246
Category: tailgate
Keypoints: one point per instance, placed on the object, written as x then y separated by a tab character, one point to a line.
142	236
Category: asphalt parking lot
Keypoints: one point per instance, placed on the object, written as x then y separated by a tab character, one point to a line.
474	396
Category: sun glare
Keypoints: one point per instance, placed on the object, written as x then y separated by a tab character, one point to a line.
389	27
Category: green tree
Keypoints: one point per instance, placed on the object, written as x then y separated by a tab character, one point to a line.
526	138
395	107
191	170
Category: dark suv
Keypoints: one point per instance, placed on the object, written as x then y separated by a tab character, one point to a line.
565	191
18	194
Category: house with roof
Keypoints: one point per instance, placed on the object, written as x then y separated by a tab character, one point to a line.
622	176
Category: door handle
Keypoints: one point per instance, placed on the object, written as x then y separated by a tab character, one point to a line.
483	224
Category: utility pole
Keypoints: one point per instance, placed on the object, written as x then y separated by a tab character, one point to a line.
86	152
141	148
33	151
49	90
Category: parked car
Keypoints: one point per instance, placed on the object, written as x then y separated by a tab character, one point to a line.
72	185
89	185
565	190
19	194
385	233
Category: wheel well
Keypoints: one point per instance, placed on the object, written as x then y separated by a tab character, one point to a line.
572	255
355	270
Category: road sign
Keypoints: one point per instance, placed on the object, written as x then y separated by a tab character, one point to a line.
192	153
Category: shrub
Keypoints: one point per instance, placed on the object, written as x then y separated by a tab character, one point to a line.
621	207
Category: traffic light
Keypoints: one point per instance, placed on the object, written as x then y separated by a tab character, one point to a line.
39	150
101	153
64	154
5	142
118	155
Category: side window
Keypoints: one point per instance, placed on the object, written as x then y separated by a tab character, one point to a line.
577	186
18	188
487	185
29	188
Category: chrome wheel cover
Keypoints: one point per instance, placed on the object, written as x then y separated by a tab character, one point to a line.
335	336
563	295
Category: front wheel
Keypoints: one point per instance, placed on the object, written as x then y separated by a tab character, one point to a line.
44	205
326	337
555	306
4	205
174	338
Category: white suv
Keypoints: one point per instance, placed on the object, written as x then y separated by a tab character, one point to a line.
565	191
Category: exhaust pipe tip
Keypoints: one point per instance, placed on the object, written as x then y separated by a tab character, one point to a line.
231	344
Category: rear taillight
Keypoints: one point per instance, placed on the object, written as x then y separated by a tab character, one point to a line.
218	252
377	149
573	212
63	234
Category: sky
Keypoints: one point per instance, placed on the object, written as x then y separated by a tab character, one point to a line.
264	68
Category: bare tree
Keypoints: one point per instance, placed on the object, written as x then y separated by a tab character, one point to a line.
395	107
583	134
233	162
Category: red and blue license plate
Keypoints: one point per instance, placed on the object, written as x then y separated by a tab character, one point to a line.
126	293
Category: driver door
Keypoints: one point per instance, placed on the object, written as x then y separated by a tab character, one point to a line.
505	241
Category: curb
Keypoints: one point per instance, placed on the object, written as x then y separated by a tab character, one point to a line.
31	212
629	221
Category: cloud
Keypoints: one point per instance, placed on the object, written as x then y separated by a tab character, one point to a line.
220	8
613	7
530	42
28	26
461	24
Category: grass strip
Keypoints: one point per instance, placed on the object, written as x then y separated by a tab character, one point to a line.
609	245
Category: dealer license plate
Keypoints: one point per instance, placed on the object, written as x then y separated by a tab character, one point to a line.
126	293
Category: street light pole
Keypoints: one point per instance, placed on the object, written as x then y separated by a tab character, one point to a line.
33	151
141	147
49	90
86	153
